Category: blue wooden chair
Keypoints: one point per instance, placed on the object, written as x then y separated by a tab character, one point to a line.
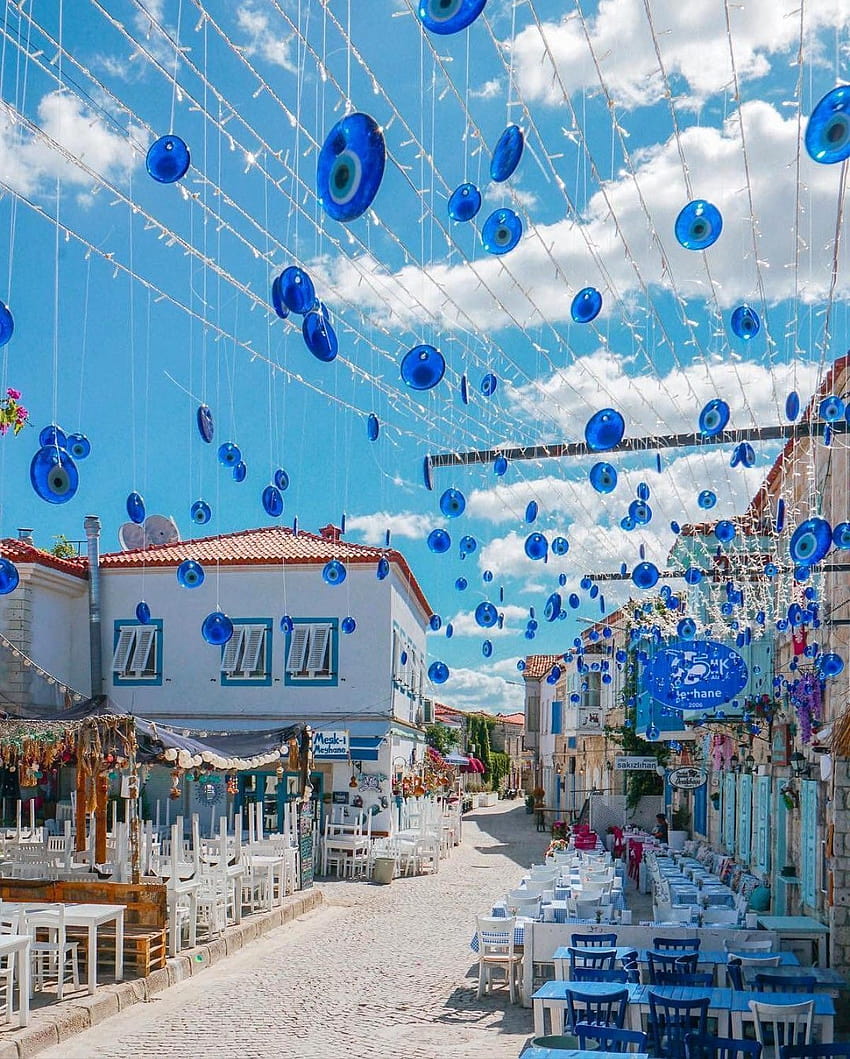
609	1038
674	944
629	963
596	959
601	1007
661	963
697	1047
778	983
735	973
670	1021
594	941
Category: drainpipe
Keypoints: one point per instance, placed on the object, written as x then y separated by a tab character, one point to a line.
92	528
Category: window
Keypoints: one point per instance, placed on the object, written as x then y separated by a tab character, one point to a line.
246	657
137	658
312	651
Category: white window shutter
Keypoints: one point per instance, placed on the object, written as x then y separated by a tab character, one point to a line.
145	637
254	637
230	655
297	649
126	636
319	661
396	657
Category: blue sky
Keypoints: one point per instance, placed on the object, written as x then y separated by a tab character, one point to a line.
145	299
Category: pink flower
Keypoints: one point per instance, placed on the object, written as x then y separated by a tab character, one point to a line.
4	426
21	413
14	394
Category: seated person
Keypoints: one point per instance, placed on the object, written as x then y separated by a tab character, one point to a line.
659	832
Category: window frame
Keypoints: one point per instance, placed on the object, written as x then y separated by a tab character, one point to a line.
241	627
135	679
312	625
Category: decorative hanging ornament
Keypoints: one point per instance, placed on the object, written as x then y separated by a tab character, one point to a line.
350	167
167	159
698	225
828	130
465	202
501	232
422	368
586	305
506	154
448	16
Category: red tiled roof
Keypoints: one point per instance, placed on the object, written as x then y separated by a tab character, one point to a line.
19	551
538	666
511	718
261	547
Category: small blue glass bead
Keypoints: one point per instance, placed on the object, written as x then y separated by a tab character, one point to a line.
489	384
240	471
713	418
487	648
286	624
552	610
297	291
745	322
373	427
229	454
7	324
200	512
536	546
468	544
604	430
465	202
448	16
603	477
586	305
686	629
486	615
506	154
707	499
831	408
281	479
319	334
452	503
143	613
53	436
9	577
435	622
135	508
278	301
438	541
383	568
438	672
531	511
841	535
348	625
500	466
560	546
743	456
645	575
272	501
792	406
206	425
217	628
725	531
831	665
79	446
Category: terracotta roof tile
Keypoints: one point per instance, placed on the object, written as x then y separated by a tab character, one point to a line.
511	718
19	551
538	666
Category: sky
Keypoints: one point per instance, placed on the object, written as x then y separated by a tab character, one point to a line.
134	301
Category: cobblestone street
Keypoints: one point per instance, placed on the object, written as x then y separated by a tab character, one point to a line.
378	972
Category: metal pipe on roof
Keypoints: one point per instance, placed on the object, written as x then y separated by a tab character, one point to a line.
92	528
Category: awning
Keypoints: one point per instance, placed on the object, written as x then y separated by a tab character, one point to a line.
474	765
458	760
364	747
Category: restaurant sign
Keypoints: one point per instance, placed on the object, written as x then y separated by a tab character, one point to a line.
635	764
686	778
331	746
696	674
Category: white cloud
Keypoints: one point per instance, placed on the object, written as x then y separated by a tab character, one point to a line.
262	40
470	689
489	90
373	528
522	200
464	623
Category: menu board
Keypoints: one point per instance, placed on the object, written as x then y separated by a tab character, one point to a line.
305	845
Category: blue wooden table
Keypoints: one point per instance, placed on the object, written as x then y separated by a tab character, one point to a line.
709	960
560	1053
795	928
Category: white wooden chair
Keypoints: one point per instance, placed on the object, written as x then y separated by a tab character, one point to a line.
10	923
53	956
782	1024
496	952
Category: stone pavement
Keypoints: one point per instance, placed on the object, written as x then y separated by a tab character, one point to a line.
377	971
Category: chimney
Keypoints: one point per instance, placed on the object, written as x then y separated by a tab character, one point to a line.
25	535
331	532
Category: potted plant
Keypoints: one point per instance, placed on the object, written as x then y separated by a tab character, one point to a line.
529	804
539	794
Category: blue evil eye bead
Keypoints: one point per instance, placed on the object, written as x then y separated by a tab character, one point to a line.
501	232
438	541
780	515
810	541
831	665
792	406
422	367
506	154
831	408
675	527
640	512
143	613
333	573
7	324
487	576
373	427
698	225
707	499
450	630
827	435
652	733
297	291
500	466
272	501
743	456
351	167
190	574
724	531
465	202
319	334
531	511
383	568
603	477
278	301
448	16
487	648
435	622
586	305
828	131
438	672
281	479
200	512
461	584
604	430
167	159
642	491
627	523
693	575
53	436
206	425
452	503
536	546
486	615
552	609
348	625
464	389
713	418
240	471
560	546
286	624
9	577
468	545
686	629
489	384
795	615
135	508
841	535
217	628
229	454
53	475
745	322
78	446
645	575
770	569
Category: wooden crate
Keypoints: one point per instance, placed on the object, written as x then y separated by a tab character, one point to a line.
145	950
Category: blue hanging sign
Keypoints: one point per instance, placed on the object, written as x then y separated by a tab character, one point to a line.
695	674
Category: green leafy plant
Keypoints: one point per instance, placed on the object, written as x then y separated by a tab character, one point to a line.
12	412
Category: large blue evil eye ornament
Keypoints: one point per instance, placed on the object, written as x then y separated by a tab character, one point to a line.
206	425
792	406
296	290
536	546
468	545
449	16
333	573
217	628
79	446
281	479
278	301
319	334
7	324
531	511
506	154
686	629
143	613
743	456
810	541
200	512
831	408
693	575
435	622
240	471
351	166
603	477
713	418
373	427
135	508
382	570
725	531
604	430
828	130
452	503
465	202
486	615
745	322
229	454
640	512
553	607
9	577
53	436
487	648
500	466
501	232
272	501
167	159
438	672
645	575
54	476
439	541
586	305
422	367
707	499
831	665
698	225
489	384
560	546
841	535
286	624
190	574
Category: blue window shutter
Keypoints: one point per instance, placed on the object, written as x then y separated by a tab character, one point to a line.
700	810
762	829
745	807
557	717
729	812
809	829
572	742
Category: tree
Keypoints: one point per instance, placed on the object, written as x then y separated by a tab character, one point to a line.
441	738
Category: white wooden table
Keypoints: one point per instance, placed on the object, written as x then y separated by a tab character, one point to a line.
19	945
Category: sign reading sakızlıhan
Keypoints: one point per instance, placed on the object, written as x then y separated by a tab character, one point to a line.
635	764
686	778
695	674
331	746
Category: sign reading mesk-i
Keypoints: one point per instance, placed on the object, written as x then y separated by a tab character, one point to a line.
331	746
695	674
